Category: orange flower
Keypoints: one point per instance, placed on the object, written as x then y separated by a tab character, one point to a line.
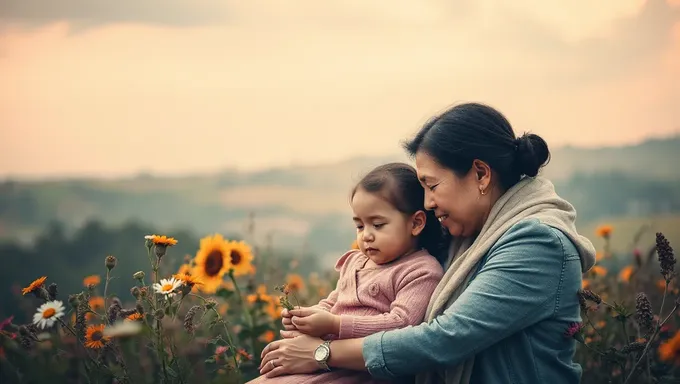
37	283
598	256
94	337
268	336
604	231
585	284
96	303
355	245
295	283
134	317
92	280
187	279
599	271
626	273
163	240
670	350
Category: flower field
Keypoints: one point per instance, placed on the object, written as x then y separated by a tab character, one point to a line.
208	320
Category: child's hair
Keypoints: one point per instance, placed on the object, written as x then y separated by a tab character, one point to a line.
398	184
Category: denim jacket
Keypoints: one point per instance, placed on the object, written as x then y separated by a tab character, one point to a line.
512	317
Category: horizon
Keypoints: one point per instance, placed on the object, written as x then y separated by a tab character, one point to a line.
245	171
114	90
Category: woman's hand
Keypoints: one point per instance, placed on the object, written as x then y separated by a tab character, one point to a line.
315	321
288	356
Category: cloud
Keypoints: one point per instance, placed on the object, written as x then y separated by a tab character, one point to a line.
90	13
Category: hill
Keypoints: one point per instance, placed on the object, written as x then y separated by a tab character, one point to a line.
307	206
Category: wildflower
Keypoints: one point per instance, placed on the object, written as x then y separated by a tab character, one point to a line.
268	336
189	319
96	303
670	349
574	330
241	258
187	279
213	260
242	354
161	244
643	311
598	270
139	275
134	317
626	273
34	286
666	256
110	262
114	310
52	291
94	338
91	280
355	245
48	314
134	291
167	287
590	295
295	283
604	231
210	304
122	329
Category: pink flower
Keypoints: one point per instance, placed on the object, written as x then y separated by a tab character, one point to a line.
573	330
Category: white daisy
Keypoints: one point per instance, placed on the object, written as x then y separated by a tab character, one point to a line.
149	237
168	286
48	314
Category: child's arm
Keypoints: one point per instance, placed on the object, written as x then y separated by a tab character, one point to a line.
414	289
408	308
328	303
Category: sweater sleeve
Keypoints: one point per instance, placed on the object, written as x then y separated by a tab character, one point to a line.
514	289
328	303
408	308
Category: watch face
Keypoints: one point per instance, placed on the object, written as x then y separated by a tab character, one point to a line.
320	353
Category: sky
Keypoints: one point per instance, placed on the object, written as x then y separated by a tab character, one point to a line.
112	88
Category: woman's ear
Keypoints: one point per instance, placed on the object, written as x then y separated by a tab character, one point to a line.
482	173
418	221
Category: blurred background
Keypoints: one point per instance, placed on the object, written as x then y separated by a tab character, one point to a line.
254	118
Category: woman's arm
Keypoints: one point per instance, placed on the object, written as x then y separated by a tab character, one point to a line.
515	288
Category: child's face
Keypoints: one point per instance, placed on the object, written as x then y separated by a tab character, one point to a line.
383	233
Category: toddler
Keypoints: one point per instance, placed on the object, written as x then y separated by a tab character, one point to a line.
386	284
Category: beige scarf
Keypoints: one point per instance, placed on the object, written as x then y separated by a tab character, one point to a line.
530	198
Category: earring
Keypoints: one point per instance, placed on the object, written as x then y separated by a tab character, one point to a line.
481	190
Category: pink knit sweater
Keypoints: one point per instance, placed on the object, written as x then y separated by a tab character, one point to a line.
373	299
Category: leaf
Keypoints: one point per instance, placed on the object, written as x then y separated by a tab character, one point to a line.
209	360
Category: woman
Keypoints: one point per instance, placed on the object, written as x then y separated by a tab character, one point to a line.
512	274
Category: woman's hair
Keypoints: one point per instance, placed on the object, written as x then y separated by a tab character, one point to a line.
472	131
398	184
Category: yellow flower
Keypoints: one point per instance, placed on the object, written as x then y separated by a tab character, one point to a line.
267	337
212	261
91	280
355	245
241	257
37	283
187	278
604	231
94	337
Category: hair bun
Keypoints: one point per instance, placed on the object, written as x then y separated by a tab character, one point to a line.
532	154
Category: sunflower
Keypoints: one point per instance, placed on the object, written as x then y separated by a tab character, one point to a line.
37	283
94	337
48	313
241	257
212	262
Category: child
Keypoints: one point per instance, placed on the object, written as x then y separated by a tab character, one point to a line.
386	284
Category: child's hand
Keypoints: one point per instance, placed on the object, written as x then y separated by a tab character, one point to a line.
315	322
286	321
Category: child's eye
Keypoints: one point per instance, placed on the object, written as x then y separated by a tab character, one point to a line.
377	226
432	188
360	227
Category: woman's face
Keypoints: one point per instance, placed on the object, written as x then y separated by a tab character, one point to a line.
456	201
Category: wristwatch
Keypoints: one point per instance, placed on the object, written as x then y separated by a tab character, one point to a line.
322	353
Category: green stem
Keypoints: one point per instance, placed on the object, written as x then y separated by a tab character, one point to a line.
106	289
246	311
232	346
